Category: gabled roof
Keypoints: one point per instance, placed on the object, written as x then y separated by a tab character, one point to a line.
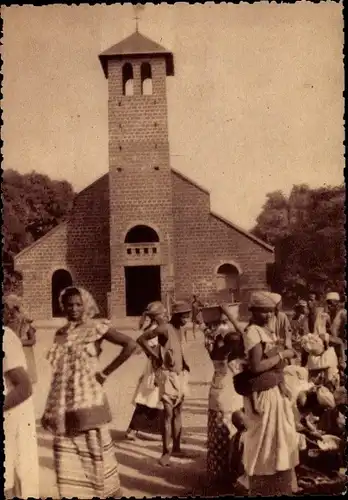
223	219
242	231
137	45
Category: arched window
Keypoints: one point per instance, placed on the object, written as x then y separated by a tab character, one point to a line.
146	79
228	282
127	79
141	234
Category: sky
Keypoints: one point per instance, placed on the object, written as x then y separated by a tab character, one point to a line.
255	105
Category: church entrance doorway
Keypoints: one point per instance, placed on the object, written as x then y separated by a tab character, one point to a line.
60	280
143	285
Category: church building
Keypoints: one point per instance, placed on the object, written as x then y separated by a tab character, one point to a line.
143	231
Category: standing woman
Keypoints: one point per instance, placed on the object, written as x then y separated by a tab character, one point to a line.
148	413
77	411
21	324
270	444
21	453
226	352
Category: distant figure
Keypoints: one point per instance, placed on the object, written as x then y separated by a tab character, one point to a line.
313	310
338	321
197	318
280	324
21	452
299	321
21	324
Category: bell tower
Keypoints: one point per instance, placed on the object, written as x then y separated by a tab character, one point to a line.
141	224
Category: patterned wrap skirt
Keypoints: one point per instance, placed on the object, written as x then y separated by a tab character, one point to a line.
86	465
218	463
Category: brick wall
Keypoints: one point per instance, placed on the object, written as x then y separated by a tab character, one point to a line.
88	246
203	242
81	246
140	177
37	264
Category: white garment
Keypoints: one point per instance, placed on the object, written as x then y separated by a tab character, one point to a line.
296	380
270	441
147	393
222	395
21	451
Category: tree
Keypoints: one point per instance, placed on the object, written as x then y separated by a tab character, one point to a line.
309	244
273	221
32	205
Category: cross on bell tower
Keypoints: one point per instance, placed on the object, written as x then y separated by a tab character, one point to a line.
137	9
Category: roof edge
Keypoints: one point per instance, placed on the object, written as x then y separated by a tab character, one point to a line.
194	183
45	236
243	231
61	223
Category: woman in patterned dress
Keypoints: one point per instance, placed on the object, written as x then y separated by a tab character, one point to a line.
226	352
77	410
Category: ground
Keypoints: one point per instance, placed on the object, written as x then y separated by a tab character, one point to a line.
140	474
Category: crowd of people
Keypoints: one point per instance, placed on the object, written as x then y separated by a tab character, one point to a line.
276	399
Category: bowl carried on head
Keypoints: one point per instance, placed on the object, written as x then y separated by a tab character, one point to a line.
212	314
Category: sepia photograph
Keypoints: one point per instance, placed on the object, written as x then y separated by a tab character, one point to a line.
173	250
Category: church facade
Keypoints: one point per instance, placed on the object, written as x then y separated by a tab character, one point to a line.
143	231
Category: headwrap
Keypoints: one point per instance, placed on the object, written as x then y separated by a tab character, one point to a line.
325	397
89	305
276	297
155	309
312	344
333	296
13	301
262	300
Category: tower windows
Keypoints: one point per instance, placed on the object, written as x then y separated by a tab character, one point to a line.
146	79
127	79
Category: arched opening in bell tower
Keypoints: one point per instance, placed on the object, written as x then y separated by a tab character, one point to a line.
142	272
127	79
146	79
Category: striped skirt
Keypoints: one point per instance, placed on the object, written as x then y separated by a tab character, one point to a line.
86	465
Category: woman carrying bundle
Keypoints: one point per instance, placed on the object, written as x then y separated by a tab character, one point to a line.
270	440
225	349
